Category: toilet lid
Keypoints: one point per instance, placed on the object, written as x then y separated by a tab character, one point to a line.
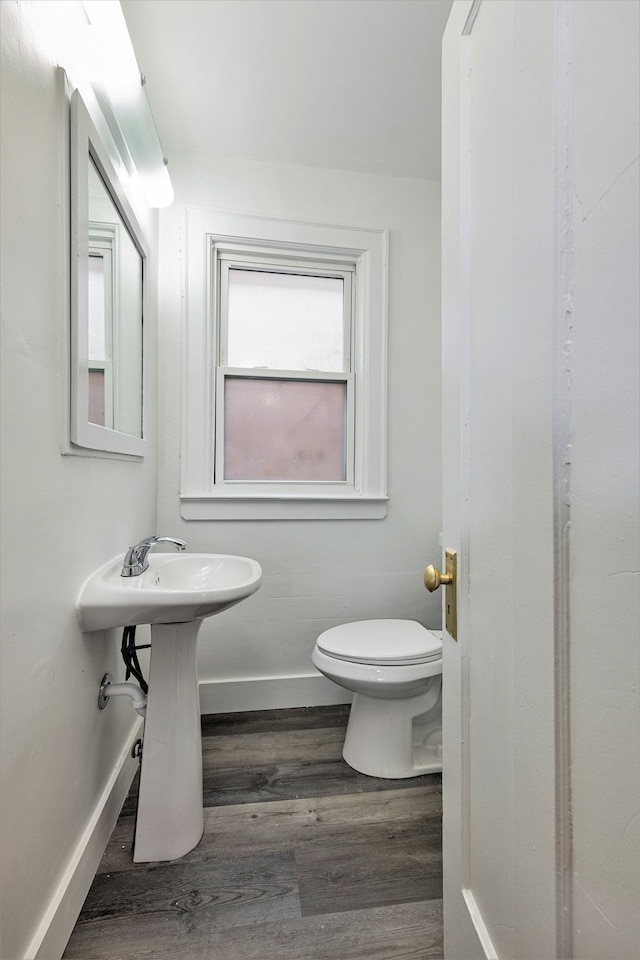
382	642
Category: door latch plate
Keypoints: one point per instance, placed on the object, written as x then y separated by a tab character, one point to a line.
451	594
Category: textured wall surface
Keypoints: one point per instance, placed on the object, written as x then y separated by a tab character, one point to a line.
318	573
62	516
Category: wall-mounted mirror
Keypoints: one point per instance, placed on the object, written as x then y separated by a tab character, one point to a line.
108	254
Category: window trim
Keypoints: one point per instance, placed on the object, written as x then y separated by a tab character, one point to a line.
365	249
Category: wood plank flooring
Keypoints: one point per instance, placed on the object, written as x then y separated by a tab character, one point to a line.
302	858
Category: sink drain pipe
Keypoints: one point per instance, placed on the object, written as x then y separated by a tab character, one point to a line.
131	690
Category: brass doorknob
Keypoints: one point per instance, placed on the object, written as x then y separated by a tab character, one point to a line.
433	578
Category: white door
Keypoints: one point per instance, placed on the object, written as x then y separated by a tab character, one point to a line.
540	452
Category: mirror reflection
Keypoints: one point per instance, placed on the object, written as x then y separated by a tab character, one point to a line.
114	335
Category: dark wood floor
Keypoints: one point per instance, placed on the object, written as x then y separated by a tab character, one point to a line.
302	858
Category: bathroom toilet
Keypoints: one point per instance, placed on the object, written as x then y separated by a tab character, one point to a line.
394	668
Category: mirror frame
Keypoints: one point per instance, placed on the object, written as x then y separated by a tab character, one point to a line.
86	144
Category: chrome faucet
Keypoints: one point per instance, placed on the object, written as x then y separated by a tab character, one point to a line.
137	561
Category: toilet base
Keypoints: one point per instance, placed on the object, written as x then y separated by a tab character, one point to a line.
396	739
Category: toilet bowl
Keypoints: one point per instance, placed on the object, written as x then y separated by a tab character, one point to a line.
394	668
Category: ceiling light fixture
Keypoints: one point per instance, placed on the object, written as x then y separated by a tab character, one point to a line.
118	85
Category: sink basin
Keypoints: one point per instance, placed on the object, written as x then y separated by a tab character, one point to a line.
174	589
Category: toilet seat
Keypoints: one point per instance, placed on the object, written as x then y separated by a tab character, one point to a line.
382	643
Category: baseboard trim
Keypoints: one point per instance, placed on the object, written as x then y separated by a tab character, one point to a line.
59	919
479	925
216	696
269	693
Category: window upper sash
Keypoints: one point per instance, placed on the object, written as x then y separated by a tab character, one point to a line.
225	260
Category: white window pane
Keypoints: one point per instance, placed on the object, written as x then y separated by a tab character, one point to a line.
97	321
285	321
284	429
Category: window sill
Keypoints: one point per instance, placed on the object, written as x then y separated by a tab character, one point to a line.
284	507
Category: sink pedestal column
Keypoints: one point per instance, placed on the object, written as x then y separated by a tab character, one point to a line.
170	819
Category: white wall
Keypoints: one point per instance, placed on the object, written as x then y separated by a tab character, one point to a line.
62	516
316	573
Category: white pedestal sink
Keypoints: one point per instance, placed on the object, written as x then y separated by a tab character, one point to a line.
174	594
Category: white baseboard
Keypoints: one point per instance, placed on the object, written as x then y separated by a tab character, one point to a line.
268	693
59	919
479	925
216	696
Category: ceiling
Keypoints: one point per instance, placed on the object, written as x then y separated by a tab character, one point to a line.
345	84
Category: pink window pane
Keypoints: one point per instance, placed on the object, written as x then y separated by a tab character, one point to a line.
96	397
284	429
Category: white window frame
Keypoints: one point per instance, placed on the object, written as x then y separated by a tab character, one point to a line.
226	257
212	237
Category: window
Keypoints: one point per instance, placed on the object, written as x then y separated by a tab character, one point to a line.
284	396
286	378
100	327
